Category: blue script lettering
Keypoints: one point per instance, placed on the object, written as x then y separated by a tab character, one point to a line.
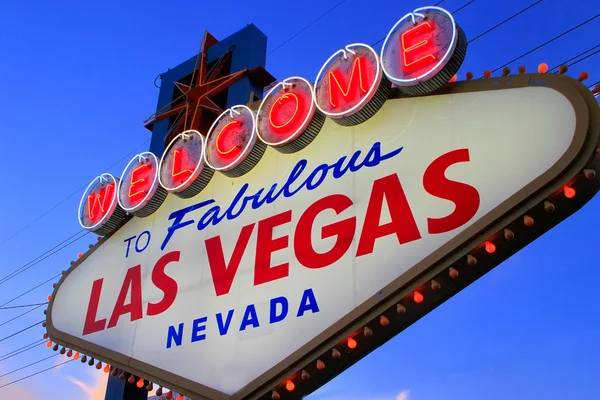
289	188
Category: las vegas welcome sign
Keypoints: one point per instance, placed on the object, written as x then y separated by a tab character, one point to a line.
265	256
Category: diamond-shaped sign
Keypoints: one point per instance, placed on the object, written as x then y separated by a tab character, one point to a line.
282	278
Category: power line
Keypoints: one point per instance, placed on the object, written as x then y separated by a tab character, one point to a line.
29	291
21	331
36	373
28	365
437	4
547	42
573	58
584	58
505	21
19	316
306	27
22	349
23	306
9	276
4	241
463	6
44	256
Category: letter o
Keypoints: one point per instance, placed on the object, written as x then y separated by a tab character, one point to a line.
138	240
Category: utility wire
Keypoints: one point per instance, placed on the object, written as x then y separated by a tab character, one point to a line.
29	291
584	58
19	316
36	373
28	365
548	42
9	276
21	331
573	58
23	306
44	256
505	21
4	241
306	27
22	349
463	6
437	4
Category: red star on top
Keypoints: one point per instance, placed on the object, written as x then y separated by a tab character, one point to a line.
195	107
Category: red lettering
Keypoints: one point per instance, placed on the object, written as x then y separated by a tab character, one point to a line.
139	182
266	245
417	47
97	206
133	284
343	230
465	197
402	220
227	138
165	283
91	325
356	87
286	113
177	169
223	273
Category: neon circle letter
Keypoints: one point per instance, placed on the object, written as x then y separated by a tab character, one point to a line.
182	169
350	87
231	145
139	192
99	211
423	50
287	117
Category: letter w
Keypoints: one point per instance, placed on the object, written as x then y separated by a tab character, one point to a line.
94	201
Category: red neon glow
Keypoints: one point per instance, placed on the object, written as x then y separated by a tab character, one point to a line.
107	368
139	184
490	247
97	202
140	383
418	297
281	104
417	45
289	385
227	132
569	192
177	169
351	343
355	89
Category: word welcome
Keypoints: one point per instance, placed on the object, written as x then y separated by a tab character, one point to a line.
344	88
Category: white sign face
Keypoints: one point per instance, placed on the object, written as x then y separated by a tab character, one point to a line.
221	287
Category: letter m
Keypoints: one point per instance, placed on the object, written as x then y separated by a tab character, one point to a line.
348	89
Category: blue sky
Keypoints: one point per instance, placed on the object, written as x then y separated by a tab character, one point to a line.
76	84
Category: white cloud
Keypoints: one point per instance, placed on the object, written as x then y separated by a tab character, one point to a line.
403	395
16	391
94	390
